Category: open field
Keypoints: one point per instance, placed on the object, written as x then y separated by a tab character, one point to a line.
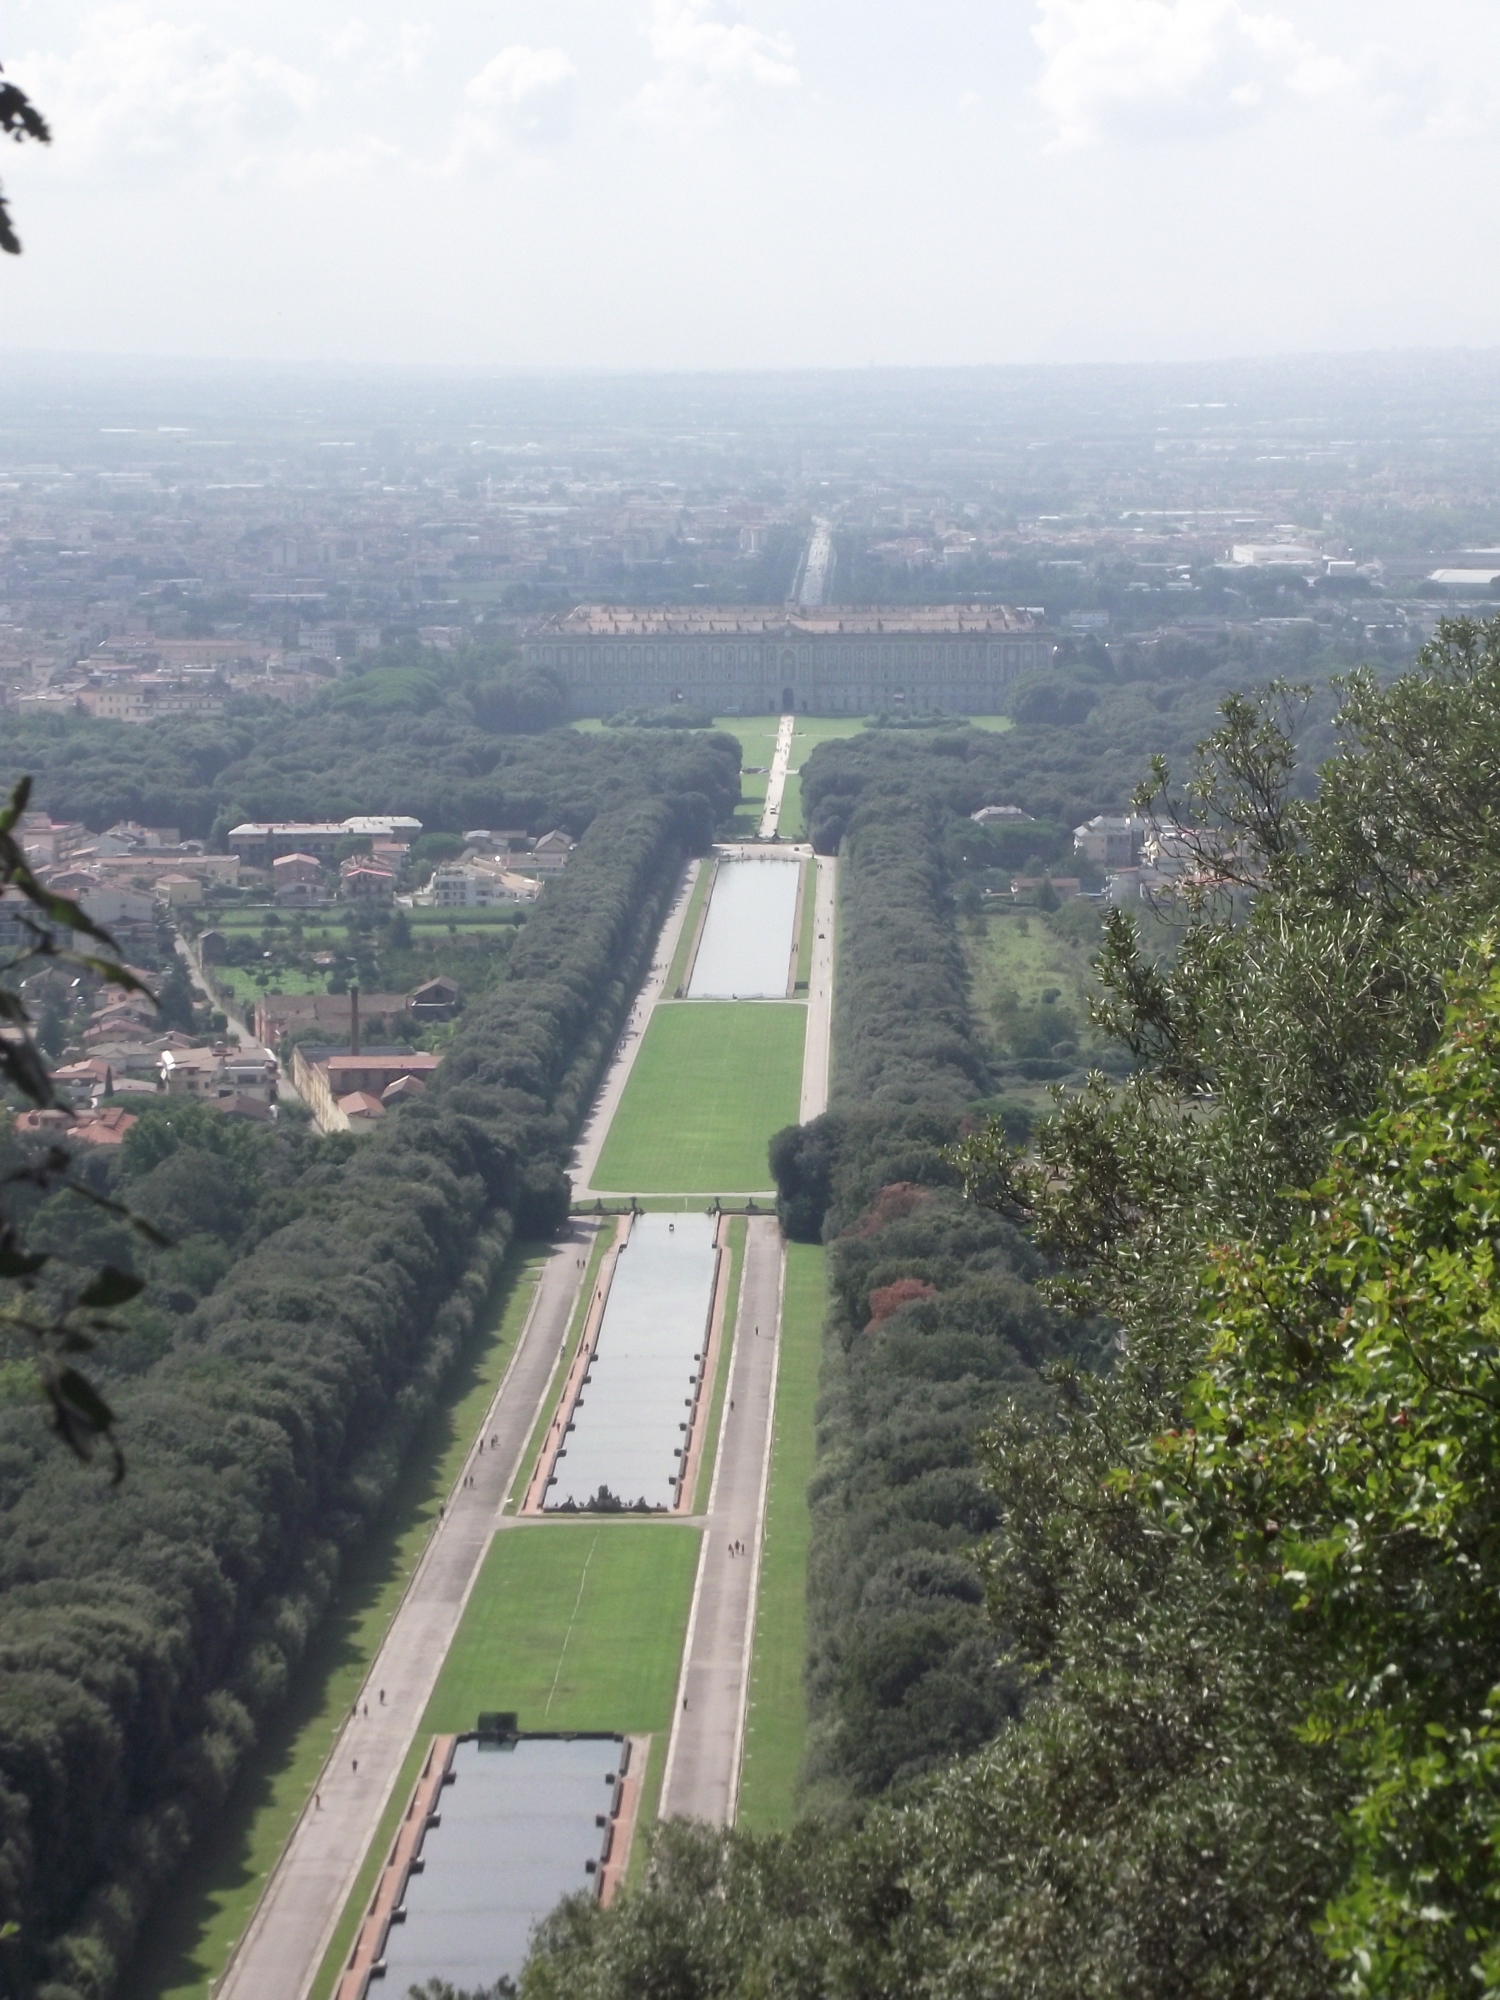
776	1726
712	1082
191	1939
573	1625
327	926
1021	954
247	989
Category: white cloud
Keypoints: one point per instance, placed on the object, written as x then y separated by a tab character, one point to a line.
699	56
1150	66
524	91
138	87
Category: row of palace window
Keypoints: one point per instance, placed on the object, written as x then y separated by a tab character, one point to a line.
601	676
966	662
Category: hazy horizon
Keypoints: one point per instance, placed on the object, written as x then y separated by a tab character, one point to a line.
700	186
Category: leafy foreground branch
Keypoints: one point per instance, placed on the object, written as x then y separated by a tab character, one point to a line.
58	1332
1344	1441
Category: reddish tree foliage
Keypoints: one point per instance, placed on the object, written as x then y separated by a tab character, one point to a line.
886	1299
892	1202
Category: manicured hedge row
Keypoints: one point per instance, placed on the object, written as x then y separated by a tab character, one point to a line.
147	1631
932	1317
902	1029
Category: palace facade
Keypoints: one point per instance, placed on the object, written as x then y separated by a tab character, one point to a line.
953	659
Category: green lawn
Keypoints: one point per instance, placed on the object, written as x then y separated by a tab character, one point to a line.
806	934
789	821
712	1082
245	987
575	1626
192	1935
776	1726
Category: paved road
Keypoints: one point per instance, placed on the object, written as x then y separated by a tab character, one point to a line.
586	1153
815	1059
701	1778
293	1924
285	1088
776	782
817	565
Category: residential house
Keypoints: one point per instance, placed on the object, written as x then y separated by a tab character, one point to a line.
179	891
289	868
1112	840
362	882
550	852
476	883
219	1071
435	999
105	1127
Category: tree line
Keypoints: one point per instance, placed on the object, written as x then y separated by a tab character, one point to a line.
423	752
283	1361
933	1313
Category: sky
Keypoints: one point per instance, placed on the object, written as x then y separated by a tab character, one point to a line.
731	184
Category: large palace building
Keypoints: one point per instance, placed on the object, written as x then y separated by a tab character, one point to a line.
953	659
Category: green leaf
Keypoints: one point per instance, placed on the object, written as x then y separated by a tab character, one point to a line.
111	1287
21	1263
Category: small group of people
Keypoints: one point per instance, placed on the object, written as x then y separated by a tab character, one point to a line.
736	1548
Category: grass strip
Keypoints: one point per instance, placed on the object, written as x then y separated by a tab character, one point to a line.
789	818
776	1725
646	1812
807	933
574	1626
710	1085
603	1237
192	1936
721	1370
677	975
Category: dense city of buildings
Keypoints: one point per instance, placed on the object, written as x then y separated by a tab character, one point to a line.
167	544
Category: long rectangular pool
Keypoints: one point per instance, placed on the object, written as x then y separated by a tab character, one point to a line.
745	952
630	1426
517	1829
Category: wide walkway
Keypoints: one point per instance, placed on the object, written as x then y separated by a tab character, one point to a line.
770	818
817	1049
701	1778
294	1922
